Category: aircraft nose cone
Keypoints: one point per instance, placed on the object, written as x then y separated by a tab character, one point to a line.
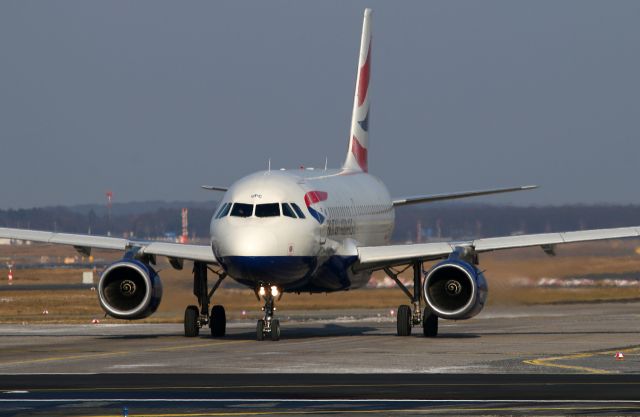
253	255
248	242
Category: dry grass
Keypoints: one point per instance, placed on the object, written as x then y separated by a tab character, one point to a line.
81	306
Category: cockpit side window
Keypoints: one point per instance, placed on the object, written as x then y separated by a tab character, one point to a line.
287	211
222	206
268	210
298	211
242	210
223	211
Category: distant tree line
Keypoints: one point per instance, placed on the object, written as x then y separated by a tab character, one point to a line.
420	222
479	220
144	221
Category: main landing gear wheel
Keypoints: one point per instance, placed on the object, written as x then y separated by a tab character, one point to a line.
429	323
409	316
197	317
404	320
218	321
191	326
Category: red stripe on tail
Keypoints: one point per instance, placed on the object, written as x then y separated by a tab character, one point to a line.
363	79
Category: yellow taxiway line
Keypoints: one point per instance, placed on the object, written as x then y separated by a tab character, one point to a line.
551	361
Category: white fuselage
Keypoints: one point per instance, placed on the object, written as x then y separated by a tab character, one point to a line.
258	241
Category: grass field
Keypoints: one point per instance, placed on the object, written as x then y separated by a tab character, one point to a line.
502	270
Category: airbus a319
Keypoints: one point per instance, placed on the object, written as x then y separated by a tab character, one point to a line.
304	230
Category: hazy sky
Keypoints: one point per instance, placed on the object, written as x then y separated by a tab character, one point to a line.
152	98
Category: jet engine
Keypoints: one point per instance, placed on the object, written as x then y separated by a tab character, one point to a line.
129	289
455	289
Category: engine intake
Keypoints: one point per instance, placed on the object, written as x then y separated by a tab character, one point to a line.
455	289
129	289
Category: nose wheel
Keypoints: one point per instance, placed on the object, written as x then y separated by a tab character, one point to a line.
268	326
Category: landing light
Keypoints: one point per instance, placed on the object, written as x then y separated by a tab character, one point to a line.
262	291
274	291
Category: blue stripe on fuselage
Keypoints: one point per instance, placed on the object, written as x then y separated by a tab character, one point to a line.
316	214
291	273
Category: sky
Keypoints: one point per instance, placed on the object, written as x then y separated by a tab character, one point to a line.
151	99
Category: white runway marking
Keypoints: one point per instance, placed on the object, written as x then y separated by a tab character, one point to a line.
137	365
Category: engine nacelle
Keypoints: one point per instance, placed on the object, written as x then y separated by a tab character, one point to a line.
129	289
455	289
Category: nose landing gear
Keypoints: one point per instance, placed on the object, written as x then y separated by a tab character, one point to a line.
268	326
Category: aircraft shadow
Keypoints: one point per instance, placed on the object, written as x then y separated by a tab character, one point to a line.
328	330
335	330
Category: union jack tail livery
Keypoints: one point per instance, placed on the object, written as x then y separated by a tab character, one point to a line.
359	137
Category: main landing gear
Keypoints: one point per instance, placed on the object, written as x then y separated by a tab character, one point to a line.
409	316
268	326
194	317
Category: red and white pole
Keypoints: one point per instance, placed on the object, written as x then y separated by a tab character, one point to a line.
185	226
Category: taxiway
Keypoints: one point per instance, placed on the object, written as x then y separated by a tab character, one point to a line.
542	360
578	338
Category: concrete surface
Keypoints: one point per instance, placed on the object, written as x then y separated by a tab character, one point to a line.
578	338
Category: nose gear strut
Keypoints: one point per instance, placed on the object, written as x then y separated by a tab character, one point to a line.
268	326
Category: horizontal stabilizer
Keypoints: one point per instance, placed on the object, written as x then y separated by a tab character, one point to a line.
452	196
214	188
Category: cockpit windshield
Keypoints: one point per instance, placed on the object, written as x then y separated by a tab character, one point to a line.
287	211
224	210
298	211
291	210
268	210
242	210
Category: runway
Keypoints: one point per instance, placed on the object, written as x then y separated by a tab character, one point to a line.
317	394
551	360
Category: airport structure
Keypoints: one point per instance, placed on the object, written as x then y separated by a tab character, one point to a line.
310	230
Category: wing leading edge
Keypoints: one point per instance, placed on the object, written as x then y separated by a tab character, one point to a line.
84	243
452	196
377	257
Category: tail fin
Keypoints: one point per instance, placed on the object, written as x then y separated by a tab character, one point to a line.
359	137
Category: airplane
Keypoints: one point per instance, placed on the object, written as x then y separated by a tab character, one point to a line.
310	230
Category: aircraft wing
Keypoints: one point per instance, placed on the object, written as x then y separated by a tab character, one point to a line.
452	196
84	243
377	257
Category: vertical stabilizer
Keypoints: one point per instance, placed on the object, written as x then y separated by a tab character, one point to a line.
359	137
